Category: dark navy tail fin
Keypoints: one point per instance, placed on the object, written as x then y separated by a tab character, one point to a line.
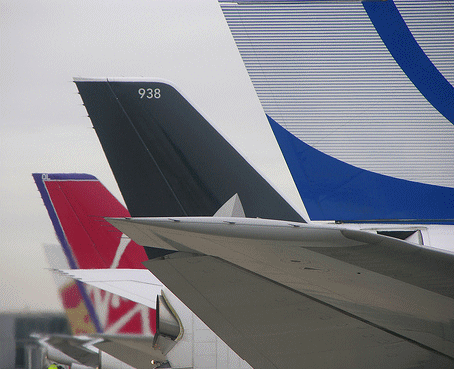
167	159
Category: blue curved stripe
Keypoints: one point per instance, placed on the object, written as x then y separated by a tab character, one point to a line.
411	58
334	190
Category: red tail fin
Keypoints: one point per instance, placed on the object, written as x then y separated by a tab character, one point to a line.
77	205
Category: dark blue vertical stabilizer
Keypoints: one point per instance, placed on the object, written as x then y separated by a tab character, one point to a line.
167	159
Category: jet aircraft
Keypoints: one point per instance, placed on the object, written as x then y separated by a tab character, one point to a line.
281	290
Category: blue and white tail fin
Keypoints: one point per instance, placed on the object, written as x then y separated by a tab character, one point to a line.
381	100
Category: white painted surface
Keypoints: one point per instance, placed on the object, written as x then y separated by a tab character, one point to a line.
321	70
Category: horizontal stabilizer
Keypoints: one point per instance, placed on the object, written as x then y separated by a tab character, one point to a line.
356	273
137	285
147	231
271	326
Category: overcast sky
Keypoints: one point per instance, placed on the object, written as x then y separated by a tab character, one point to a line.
45	128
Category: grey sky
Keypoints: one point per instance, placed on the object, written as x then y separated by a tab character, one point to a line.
44	127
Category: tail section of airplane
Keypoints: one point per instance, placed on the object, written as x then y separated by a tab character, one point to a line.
77	204
167	159
364	122
183	341
376	91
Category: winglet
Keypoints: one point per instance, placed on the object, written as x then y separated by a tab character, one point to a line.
232	208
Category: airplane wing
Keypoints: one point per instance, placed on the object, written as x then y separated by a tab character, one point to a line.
137	285
285	295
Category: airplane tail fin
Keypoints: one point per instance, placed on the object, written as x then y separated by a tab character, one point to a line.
167	159
77	205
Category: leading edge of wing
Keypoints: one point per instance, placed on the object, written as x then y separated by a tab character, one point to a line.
394	286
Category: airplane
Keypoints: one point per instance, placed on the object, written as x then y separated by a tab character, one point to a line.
145	328
280	289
